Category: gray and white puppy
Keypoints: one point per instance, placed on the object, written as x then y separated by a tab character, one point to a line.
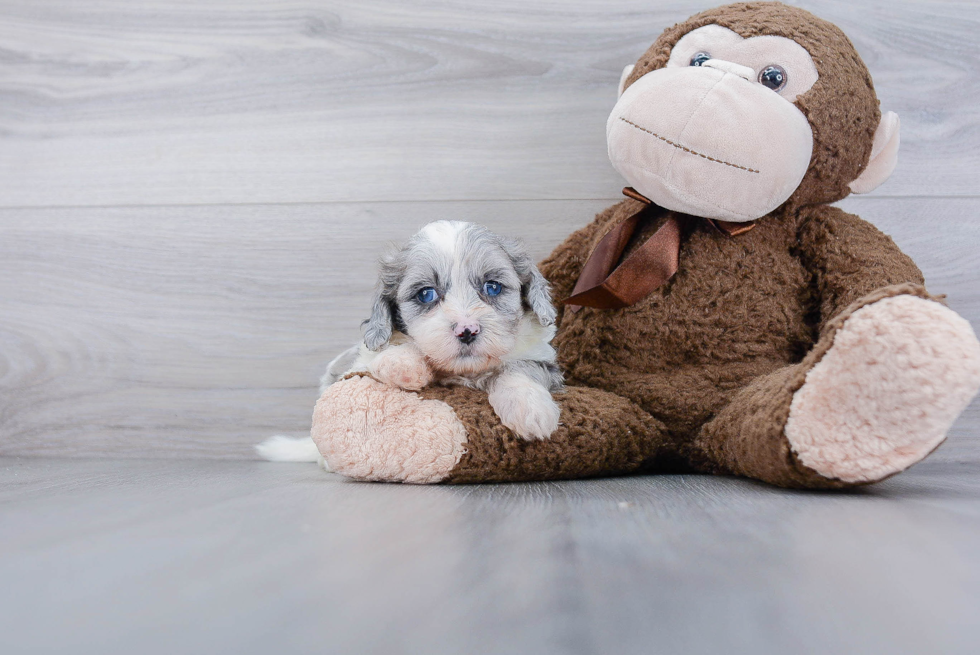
460	305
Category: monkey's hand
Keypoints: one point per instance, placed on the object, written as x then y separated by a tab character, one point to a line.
524	406
401	366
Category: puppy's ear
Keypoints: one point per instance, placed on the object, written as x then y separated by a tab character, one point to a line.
535	290
537	293
378	328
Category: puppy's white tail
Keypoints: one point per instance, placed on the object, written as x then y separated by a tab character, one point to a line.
280	448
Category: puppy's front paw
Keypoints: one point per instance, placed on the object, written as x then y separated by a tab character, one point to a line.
401	367
525	407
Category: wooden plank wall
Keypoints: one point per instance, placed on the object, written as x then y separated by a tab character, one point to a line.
193	195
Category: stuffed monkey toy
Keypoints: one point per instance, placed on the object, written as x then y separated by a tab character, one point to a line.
724	317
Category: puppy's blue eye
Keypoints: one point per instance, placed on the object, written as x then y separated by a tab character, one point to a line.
427	295
492	288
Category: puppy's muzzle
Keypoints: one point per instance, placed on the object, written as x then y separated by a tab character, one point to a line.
467	331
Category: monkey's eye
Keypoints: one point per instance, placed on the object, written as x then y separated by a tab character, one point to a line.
427	295
492	288
773	77
700	58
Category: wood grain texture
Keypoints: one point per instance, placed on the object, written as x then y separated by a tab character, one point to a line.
256	101
197	331
251	557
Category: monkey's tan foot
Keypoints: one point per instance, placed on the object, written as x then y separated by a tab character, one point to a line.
372	431
898	374
401	366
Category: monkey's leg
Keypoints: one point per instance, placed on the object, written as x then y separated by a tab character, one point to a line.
876	395
370	431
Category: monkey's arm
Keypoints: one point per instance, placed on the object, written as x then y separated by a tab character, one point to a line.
852	262
453	434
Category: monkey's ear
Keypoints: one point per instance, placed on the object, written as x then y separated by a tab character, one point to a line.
623	77
884	155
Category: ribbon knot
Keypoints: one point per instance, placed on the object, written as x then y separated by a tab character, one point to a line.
604	285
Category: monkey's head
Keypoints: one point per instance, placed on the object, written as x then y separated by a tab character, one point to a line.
747	107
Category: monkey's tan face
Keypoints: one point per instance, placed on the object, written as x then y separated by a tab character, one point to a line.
715	133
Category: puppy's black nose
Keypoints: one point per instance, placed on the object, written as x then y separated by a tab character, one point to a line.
467	336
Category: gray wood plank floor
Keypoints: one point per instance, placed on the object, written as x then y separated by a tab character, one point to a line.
252	557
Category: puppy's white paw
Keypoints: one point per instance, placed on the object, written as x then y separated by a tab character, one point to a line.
403	367
525	407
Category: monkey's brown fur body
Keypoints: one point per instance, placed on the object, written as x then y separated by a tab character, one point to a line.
700	374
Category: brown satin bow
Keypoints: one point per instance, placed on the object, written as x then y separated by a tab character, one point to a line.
604	285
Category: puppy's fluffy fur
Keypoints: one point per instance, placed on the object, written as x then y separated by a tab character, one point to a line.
457	304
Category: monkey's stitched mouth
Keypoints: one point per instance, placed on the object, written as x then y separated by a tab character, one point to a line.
686	149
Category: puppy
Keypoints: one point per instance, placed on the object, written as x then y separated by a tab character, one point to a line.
457	305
